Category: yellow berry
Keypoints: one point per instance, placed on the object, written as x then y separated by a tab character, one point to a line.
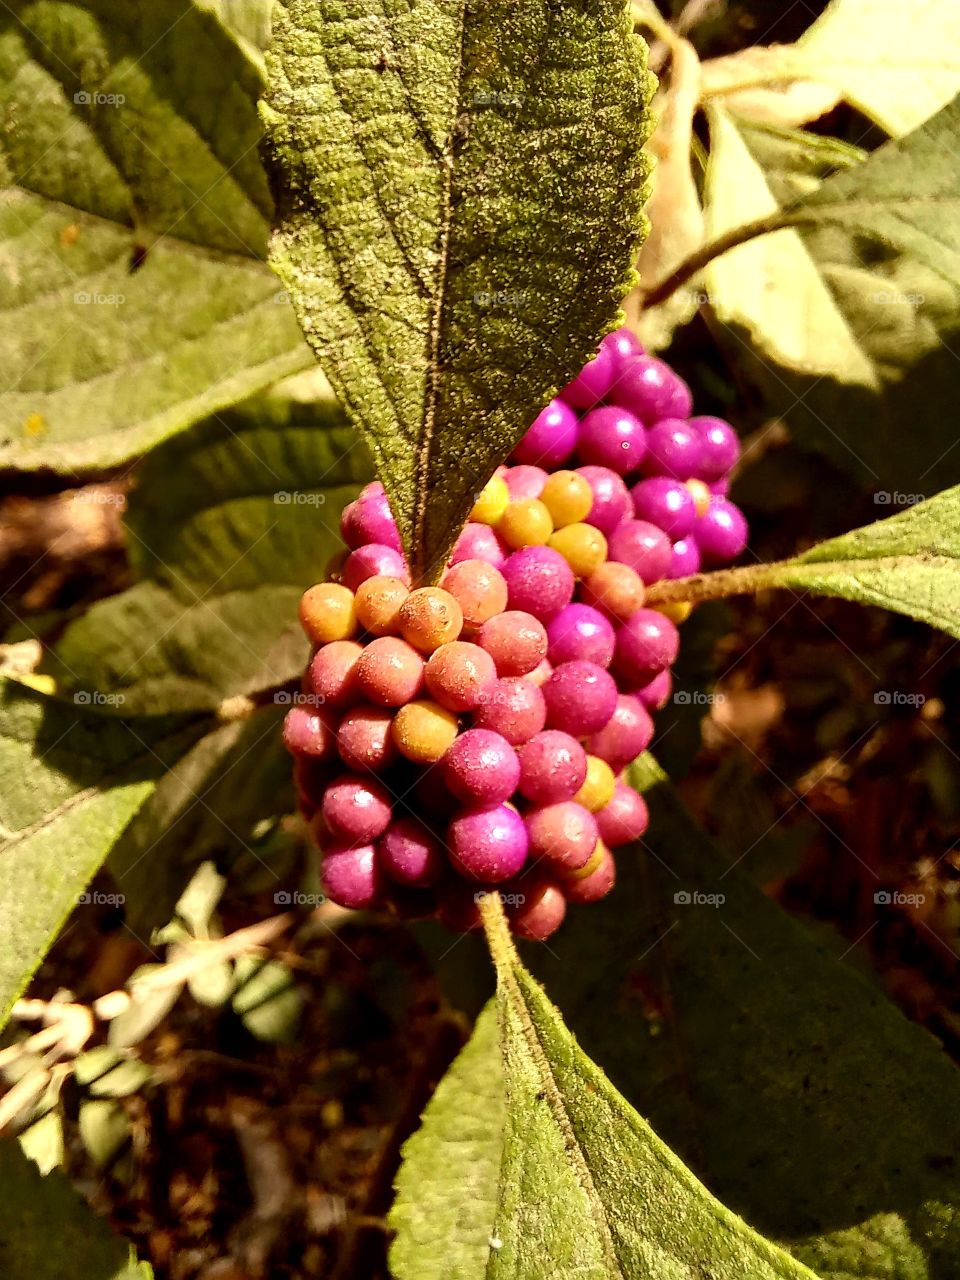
679	611
327	613
525	523
598	785
378	604
492	503
430	617
424	731
568	498
588	868
582	546
701	496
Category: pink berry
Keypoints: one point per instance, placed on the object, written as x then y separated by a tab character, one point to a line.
656	694
541	911
592	382
551	439
612	437
721	534
563	834
309	732
624	817
525	481
647	644
516	641
665	502
580	697
539	581
513	708
460	675
596	885
479	588
332	674
719	488
356	809
351	876
611	498
481	768
628	732
364	739
642	546
479	542
684	559
488	845
674	448
553	767
651	390
375	560
719	447
369	519
390	672
580	632
411	854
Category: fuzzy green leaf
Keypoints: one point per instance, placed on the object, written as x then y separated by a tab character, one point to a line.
47	1231
586	1187
460	194
848	318
72	779
134	219
447	1184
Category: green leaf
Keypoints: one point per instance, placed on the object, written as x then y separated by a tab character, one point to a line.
133	227
460	195
848	318
48	1232
802	1097
267	1000
230	522
586	1186
909	563
72	780
446	1187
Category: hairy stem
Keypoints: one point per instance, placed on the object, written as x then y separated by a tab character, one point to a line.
746	581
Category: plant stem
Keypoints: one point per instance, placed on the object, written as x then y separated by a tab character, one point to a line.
746	581
499	940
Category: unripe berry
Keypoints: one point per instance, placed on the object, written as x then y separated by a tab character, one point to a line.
351	876
651	390
364	739
721	534
720	448
666	503
582	546
592	382
514	708
563	834
624	818
356	809
481	768
479	542
642	546
598	786
430	617
492	502
390	672
333	671
596	885
542	909
580	698
580	633
647	644
373	561
516	641
479	588
369	519
700	493
411	854
378	602
327	612
488	845
611	498
614	589
460	675
539	581
676	610
673	449
424	731
628	732
525	523
553	766
684	559
567	497
308	732
612	437
551	439
525	481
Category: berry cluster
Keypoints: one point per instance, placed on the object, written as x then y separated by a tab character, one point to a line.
455	738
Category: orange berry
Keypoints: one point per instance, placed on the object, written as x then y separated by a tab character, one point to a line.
430	617
615	589
424	731
378	602
327	612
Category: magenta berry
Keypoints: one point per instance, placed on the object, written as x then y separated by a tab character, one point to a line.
647	644
351	876
541	908
375	560
656	693
307	732
649	388
369	519
623	346
411	854
364	739
611	498
719	447
563	834
356	809
481	768
525	481
596	885
685	559
624	818
580	633
539	581
488	845
593	381
627	733
479	542
551	439
580	698
513	708
721	533
674	449
553	767
612	437
643	547
516	641
666	503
